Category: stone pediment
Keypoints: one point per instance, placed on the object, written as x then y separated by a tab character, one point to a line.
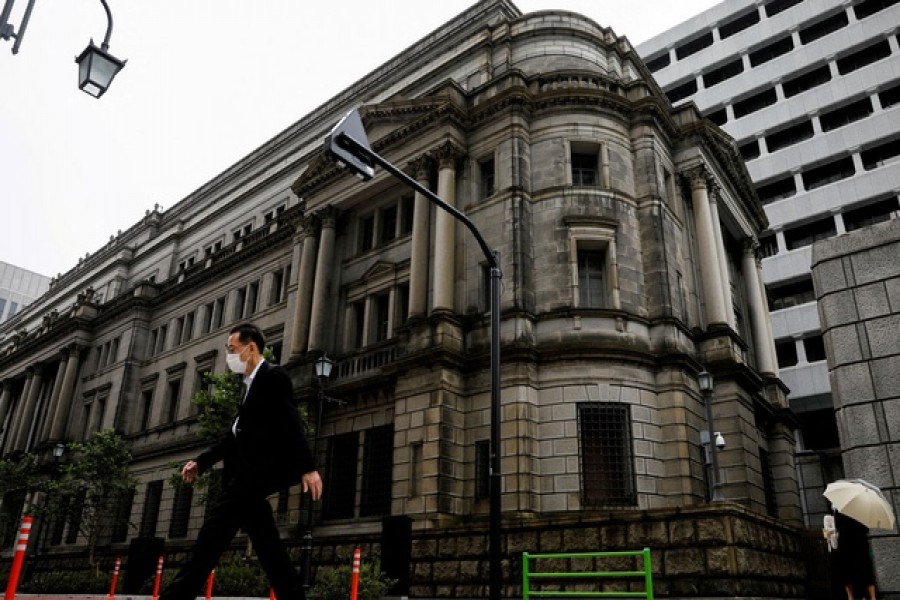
379	269
387	123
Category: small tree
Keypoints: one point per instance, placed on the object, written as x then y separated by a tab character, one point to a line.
18	481
97	479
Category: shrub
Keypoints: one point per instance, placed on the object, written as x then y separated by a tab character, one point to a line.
334	584
67	582
238	577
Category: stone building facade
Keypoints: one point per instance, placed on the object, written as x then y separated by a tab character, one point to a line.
627	236
857	281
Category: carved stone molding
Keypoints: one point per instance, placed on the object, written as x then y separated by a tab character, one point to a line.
448	155
420	168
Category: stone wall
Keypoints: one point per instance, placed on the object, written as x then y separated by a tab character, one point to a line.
857	283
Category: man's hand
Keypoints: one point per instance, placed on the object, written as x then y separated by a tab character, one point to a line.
312	483
189	471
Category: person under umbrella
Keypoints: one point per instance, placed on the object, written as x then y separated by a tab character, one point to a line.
853	557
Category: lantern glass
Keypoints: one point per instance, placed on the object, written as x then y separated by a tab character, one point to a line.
96	70
323	367
706	381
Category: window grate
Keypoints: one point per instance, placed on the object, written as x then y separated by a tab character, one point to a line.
482	469
122	516
607	457
340	489
378	461
181	511
150	515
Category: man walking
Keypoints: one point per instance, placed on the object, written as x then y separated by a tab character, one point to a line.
264	452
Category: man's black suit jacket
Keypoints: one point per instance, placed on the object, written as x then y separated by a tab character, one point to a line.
270	451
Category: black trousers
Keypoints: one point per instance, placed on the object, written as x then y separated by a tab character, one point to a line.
236	509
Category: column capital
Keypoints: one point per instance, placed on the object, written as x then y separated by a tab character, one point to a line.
420	167
698	176
447	154
327	217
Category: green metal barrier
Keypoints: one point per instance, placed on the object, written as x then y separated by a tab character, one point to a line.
529	577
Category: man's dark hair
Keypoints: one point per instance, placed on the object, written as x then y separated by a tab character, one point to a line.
248	332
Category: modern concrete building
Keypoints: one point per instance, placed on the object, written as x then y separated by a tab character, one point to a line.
857	283
627	233
810	91
18	288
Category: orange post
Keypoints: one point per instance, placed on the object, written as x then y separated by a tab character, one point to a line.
209	584
354	578
271	594
156	582
115	579
19	558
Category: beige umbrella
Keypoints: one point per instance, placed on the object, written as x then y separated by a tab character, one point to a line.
862	501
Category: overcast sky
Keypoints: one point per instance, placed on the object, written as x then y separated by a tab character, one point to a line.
207	82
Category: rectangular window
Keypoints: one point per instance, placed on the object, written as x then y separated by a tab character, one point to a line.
122	517
772	51
846	114
381	317
179	330
482	469
719	117
777	190
591	278
814	346
407	213
252	298
750	150
755	102
188	333
768	245
836	170
607	472
366	233
219	313
151	346
739	24
726	71
339	498
181	511
145	408
161	341
792	294
359	324
768	483
685	90
880	155
402	303
378	462
239	304
863	57
58	521
822	28
876	212
174	390
786	353
277	287
867	8
388	224
486	176
886	98
776	6
659	62
694	46
584	169
789	136
150	516
808	234
75	516
807	81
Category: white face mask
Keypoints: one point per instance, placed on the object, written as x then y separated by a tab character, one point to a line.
235	363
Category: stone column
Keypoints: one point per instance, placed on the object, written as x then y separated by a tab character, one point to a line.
444	260
605	177
322	284
706	249
421	237
54	396
758	314
28	410
305	283
5	396
770	337
15	421
60	415
721	255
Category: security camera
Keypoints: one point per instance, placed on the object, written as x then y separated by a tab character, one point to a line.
720	441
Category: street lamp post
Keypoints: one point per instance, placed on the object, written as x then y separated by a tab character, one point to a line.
349	145
323	367
96	66
705	379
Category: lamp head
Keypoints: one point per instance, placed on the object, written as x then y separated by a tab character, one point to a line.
96	69
353	156
705	379
324	366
